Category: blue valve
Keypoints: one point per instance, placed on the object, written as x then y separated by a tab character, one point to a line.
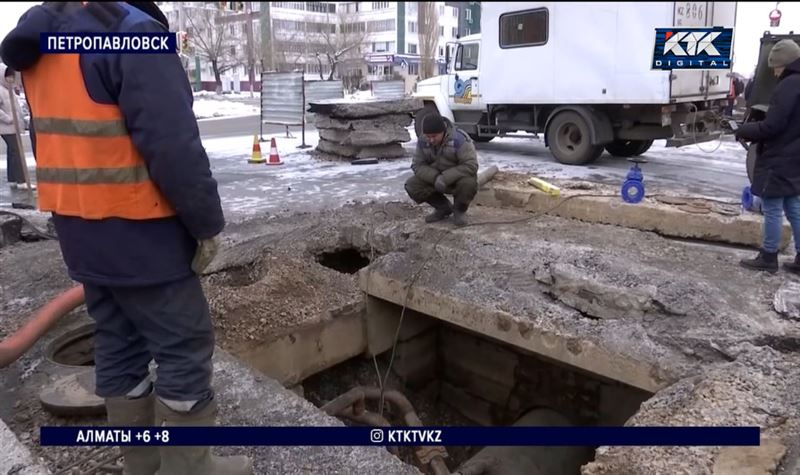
633	187
750	202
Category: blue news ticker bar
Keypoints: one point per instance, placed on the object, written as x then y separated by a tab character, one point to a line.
363	436
112	43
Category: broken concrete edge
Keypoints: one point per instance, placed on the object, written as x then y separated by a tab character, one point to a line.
16	458
745	229
500	326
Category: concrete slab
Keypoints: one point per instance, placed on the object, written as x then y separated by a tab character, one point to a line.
16	458
602	204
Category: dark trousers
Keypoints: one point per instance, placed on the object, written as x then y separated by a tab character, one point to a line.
169	323
14	172
463	191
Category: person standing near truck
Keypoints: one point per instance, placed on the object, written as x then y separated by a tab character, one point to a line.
776	178
445	163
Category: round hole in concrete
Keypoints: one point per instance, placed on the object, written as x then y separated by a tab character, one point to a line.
74	348
347	261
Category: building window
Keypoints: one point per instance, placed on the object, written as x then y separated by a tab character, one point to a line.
233	29
321	7
412	48
382	46
528	28
290	5
380	5
455	12
233	51
351	7
441	31
380	25
467	57
412	27
468	15
455	31
353	27
413	69
441	51
441	10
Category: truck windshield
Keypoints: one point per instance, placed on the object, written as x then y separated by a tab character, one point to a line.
467	57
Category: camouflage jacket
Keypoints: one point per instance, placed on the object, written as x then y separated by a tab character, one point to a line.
454	159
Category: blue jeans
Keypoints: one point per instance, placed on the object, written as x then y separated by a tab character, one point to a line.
773	209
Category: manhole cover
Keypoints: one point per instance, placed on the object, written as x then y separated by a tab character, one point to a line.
73	395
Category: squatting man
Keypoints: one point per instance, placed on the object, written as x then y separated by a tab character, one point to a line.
445	163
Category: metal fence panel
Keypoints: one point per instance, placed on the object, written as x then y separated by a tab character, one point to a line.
387	89
321	90
282	98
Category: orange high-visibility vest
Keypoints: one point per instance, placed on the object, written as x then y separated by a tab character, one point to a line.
86	163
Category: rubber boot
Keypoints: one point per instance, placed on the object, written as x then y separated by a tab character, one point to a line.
766	261
460	214
793	266
196	460
441	206
124	412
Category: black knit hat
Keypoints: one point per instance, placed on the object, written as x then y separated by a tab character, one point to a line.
433	124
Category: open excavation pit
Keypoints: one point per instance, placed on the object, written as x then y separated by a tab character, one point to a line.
503	323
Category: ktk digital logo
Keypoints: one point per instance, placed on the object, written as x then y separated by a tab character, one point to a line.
693	48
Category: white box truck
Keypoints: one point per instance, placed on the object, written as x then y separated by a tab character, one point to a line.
580	74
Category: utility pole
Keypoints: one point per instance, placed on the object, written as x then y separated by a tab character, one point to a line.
250	58
265	21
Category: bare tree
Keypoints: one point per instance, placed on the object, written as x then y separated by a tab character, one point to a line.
342	43
428	23
288	49
212	41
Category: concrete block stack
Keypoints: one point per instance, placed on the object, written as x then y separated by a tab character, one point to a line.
364	130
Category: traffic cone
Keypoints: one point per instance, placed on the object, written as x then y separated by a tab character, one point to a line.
274	158
256	157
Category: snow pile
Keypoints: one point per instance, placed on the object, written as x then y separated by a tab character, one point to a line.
359	96
206	108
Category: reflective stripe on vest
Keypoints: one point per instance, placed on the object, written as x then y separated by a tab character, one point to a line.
86	163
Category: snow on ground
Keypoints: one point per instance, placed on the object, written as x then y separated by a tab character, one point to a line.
359	96
207	108
306	183
228	95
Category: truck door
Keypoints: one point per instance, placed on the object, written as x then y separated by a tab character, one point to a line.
463	92
700	84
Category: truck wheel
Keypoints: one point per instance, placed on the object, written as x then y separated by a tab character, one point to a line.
419	117
484	139
628	148
645	147
569	140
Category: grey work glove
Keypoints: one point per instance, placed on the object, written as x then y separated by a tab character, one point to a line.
439	184
205	253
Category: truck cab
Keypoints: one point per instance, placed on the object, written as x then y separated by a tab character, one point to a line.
456	95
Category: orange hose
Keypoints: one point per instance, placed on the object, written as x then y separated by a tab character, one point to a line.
19	342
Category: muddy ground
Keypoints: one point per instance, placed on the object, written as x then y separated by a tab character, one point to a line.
710	321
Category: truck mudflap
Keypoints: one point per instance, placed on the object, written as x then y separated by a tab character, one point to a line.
695	127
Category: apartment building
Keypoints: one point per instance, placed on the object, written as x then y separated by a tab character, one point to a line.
381	39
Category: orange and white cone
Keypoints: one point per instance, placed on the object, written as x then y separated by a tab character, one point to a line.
274	158
256	157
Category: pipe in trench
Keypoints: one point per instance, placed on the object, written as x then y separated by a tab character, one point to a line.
355	398
526	460
15	345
